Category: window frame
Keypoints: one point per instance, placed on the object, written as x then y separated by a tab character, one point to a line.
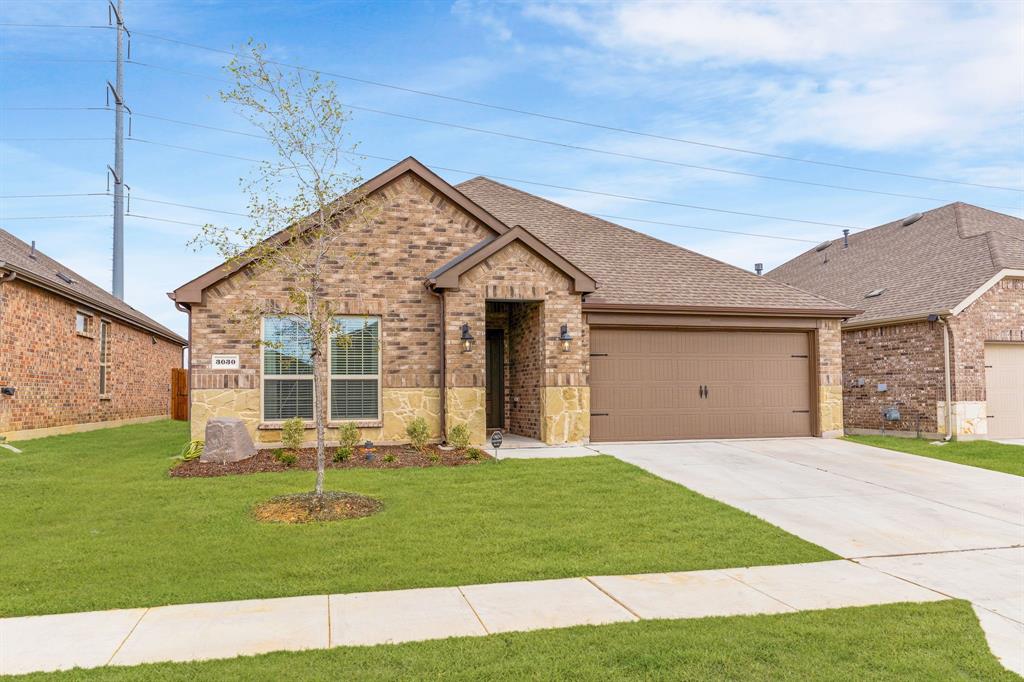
354	377
264	376
104	358
89	324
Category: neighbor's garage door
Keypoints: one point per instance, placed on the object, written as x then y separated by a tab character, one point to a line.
1004	389
662	384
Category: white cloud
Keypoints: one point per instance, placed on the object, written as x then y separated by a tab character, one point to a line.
866	76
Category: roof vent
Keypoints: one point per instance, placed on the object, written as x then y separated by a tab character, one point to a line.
64	278
758	268
874	294
32	253
912	218
822	246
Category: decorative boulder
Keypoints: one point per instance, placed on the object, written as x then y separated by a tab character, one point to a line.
227	440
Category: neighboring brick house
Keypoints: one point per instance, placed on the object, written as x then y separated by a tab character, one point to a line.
73	357
486	306
949	278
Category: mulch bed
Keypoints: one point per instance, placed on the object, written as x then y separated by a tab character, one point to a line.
263	461
305	507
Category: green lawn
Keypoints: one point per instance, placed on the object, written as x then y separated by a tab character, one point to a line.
933	641
976	453
92	521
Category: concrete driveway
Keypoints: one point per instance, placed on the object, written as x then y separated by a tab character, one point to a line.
955	529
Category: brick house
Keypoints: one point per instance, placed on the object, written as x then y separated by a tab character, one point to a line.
483	305
72	356
941	338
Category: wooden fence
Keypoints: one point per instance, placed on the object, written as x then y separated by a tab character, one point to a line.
179	394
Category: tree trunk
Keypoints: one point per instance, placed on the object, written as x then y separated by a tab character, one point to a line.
319	410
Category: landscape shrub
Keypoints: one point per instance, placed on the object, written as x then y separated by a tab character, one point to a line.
458	436
418	432
348	436
292	433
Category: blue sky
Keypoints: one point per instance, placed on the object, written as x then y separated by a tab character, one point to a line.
929	89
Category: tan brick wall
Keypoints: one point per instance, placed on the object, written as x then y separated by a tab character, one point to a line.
55	371
414	232
829	355
517	274
526	371
908	358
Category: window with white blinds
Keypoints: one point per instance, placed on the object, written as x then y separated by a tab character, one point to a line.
355	368
287	369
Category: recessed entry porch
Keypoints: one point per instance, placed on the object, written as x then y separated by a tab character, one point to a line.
514	369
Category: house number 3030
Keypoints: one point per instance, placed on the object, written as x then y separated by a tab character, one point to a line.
224	362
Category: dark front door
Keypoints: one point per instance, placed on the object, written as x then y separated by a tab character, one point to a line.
495	379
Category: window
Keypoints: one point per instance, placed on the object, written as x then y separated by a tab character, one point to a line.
355	368
287	369
104	357
83	323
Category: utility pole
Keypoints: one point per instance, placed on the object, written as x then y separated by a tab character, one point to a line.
117	287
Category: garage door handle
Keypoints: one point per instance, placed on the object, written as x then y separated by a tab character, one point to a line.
598	414
801	411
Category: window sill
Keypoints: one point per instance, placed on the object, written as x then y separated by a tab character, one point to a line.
106	397
85	335
361	423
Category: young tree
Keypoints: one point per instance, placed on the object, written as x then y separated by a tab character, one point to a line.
302	205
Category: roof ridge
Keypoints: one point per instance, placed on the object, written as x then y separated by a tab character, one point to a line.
660	241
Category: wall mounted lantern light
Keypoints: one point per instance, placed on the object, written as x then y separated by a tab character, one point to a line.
565	338
467	339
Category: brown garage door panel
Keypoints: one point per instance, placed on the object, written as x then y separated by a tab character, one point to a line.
645	384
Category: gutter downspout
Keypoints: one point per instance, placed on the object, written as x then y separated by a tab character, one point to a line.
949	385
444	373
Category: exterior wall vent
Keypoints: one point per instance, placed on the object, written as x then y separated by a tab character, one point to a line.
911	219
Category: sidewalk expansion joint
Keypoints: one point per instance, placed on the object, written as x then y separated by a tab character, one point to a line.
473	609
613	598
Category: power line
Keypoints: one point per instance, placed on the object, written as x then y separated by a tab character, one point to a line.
55	139
581	148
579	122
526	182
75	60
56	109
56	217
245	215
195	149
49	196
706	229
198	208
163	220
15	25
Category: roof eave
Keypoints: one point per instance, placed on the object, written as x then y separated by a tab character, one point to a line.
72	295
447	276
841	313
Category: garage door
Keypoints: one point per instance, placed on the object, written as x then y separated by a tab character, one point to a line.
663	384
1004	389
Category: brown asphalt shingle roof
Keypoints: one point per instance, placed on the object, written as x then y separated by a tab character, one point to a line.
15	255
632	268
929	266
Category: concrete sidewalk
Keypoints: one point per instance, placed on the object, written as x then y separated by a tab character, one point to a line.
192	632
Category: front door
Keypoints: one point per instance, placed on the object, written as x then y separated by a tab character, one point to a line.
495	379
